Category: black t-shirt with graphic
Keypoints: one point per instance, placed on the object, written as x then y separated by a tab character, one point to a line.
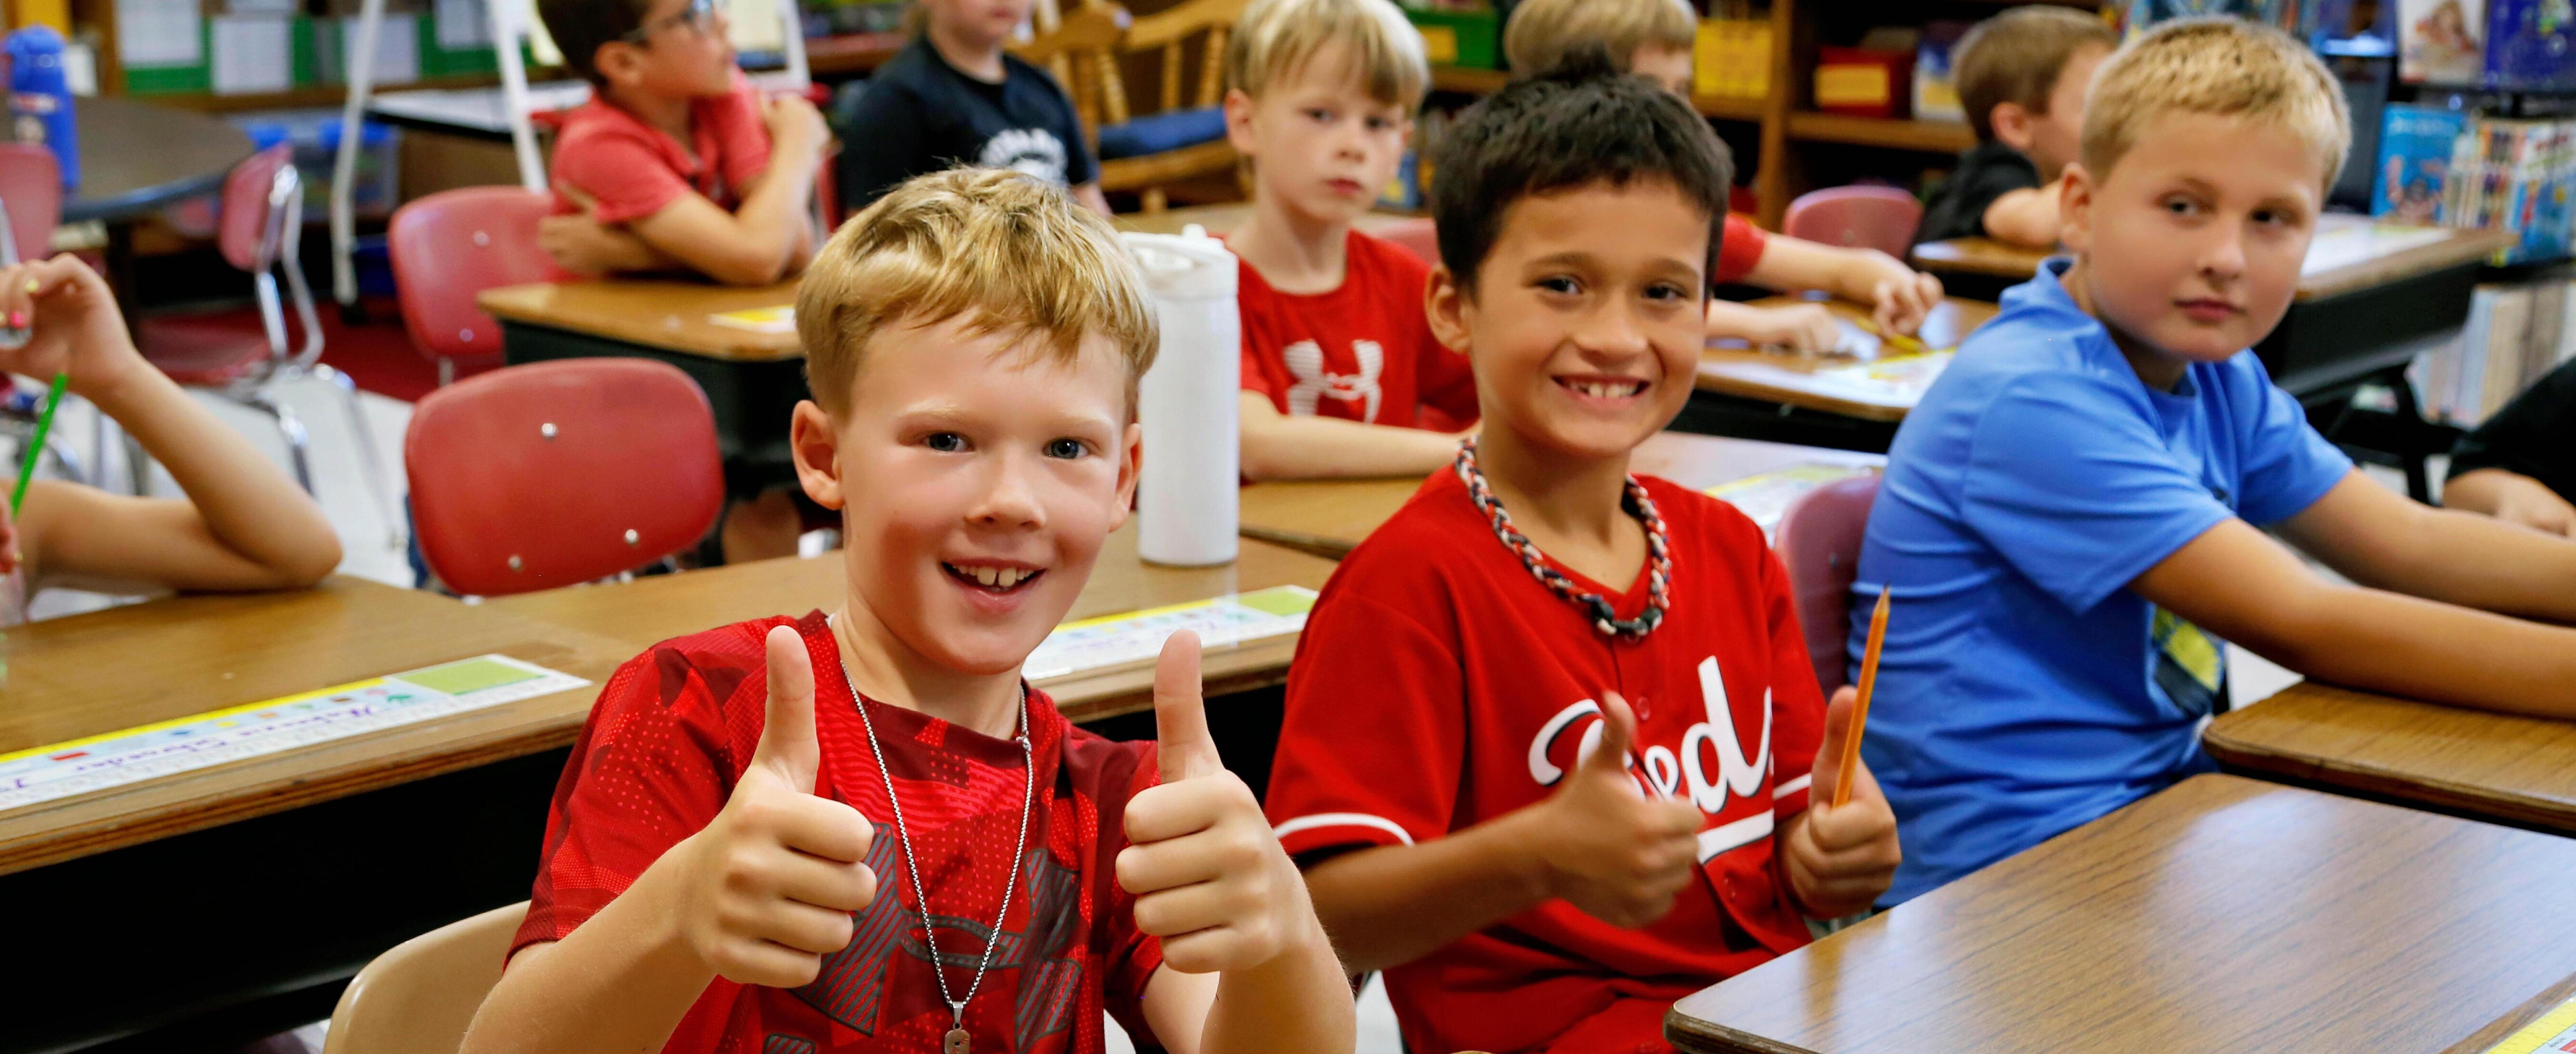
921	115
1987	171
2534	435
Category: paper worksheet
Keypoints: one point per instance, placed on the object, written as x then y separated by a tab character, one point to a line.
778	319
1119	640
152	33
1766	497
2553	1033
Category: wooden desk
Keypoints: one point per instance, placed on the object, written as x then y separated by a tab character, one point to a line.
2349	253
1223	219
1794	379
1331	517
2221	915
136	157
663	315
2516	770
647	610
1983	257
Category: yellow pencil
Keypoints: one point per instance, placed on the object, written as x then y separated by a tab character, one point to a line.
1860	706
1901	342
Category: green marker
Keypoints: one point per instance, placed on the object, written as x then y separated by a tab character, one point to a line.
36	446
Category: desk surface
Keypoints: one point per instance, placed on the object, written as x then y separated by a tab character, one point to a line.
647	610
128	666
2519	770
1818	382
1331	517
2220	915
2349	253
1223	219
669	315
136	157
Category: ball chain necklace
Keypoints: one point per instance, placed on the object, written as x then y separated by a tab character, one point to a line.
1605	620
957	1041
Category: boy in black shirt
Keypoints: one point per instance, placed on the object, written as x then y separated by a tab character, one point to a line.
954	97
2021	77
2520	466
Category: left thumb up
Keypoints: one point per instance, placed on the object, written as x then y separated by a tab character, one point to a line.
1180	713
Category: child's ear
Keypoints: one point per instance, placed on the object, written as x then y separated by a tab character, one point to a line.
2075	208
1449	307
817	450
1130	458
616	61
1238	122
2012	125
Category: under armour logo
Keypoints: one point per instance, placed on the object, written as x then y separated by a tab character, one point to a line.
1306	363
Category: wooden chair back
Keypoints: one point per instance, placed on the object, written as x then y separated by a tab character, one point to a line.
1165	31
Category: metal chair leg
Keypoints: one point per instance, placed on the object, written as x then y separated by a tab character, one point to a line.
368	464
289	427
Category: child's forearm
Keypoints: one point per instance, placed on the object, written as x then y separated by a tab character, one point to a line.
1282	446
618	984
1794	264
2485	563
1299	1001
2025	217
2426	649
1390	905
247	504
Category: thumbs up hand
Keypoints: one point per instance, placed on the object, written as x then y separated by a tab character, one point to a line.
1208	875
1840	860
1614	852
769	886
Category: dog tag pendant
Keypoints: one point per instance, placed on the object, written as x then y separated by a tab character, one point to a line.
956	1042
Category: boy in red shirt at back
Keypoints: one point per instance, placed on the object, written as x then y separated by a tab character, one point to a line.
865	832
1549	769
1341	376
676	162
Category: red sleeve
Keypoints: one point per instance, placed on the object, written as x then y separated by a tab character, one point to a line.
1738	250
621	172
1254	308
1374	737
653	765
743	136
1797	704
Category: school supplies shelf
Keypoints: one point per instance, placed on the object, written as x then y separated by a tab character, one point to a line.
2454	168
133	755
1121	640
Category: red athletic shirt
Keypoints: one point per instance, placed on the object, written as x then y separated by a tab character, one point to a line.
1439	685
1738	250
673	731
1363	352
634	170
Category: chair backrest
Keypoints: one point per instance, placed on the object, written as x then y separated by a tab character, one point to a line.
1166	30
448	247
554	473
1881	218
31	184
1819	541
1416	234
1082	52
419	996
251	222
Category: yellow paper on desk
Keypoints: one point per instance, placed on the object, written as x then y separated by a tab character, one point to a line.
780	318
1766	497
1894	375
2554	1032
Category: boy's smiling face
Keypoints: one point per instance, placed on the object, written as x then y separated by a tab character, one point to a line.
1318	141
1585	321
2189	249
978	476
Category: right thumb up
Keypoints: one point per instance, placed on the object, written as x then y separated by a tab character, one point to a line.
1609	756
787	747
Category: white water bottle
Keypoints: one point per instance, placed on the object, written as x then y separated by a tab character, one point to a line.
1192	459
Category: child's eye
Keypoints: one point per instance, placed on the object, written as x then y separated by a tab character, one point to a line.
1380	124
944	442
1067	449
2181	206
1318	114
1666	291
1560	284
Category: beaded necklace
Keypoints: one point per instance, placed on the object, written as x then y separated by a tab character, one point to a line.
1659	561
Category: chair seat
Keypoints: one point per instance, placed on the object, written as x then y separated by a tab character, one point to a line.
201	352
1162	132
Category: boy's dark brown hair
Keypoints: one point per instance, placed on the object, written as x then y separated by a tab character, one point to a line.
1577	124
581	26
2016	56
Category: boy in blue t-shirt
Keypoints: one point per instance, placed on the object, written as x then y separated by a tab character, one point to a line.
2069	516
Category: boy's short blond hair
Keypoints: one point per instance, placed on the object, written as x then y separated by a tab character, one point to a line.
1275	38
1543	32
1016	254
2016	57
2227	67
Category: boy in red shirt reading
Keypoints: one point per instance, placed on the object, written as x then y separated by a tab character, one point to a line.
1341	376
1551	729
676	162
864	831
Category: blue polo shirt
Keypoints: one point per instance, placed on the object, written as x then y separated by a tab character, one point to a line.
2024	690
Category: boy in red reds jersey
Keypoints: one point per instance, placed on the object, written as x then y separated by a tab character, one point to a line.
1341	376
1549	770
864	832
676	162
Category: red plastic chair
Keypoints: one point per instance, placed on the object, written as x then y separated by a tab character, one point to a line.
555	473
31	185
1819	541
452	245
1417	235
1881	218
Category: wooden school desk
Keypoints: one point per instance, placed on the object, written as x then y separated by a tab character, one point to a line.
1331	517
2222	914
1815	399
647	610
1223	219
2496	767
222	888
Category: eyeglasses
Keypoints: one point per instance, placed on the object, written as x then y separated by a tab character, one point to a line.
700	15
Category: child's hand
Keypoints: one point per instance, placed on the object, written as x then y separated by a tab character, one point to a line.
1840	860
76	327
1617	854
1209	877
1798	327
1902	298
767	889
795	126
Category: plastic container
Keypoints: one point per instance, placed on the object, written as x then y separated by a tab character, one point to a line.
40	98
1186	506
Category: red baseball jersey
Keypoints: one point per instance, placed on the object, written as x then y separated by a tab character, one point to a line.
1439	685
673	731
1363	352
